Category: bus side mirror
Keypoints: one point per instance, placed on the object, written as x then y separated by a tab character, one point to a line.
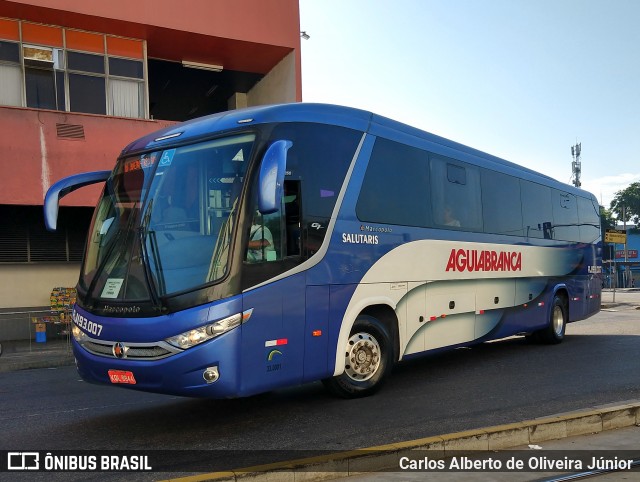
63	187
271	181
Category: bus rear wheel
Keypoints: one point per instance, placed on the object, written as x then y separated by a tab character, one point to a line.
367	358
554	332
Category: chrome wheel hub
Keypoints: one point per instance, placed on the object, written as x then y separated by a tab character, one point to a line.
558	320
362	358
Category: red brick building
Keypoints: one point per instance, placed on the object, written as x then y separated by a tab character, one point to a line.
79	80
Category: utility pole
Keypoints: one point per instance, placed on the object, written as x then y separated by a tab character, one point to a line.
627	283
576	165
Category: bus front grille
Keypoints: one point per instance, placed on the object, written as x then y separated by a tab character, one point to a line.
129	351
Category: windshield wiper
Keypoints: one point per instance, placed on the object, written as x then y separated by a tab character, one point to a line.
222	245
150	234
153	241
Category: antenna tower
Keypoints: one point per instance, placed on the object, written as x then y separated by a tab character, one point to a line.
576	165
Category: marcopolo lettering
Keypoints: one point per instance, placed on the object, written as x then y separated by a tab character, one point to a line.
484	260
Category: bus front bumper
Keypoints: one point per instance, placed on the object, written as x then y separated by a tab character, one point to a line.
207	370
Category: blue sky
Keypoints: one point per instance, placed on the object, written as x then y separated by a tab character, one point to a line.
521	79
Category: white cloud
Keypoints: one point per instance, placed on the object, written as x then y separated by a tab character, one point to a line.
605	188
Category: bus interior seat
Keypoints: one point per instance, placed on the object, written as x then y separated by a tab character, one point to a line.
197	250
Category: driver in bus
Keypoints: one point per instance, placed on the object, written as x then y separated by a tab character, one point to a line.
260	241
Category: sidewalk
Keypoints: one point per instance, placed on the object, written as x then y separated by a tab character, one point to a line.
610	428
608	434
23	355
625	298
622	443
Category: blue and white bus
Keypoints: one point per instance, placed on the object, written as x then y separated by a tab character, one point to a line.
279	245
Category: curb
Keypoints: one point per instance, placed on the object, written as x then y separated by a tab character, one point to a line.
385	457
610	306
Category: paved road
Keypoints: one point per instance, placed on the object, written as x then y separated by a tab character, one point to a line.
495	383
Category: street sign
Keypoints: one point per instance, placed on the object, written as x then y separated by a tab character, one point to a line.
631	253
617	236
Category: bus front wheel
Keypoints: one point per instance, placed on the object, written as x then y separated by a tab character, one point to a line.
367	358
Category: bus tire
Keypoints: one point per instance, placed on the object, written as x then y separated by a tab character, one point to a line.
554	332
368	360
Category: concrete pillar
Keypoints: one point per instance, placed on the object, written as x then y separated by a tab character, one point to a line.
237	101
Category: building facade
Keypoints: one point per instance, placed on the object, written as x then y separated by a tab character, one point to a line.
622	263
80	80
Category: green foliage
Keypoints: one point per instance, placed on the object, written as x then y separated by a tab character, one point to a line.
626	203
607	219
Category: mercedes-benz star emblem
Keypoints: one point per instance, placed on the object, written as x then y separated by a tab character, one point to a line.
119	350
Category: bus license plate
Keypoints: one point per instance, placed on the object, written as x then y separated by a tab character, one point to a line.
120	376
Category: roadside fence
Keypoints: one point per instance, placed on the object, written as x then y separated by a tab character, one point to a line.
34	330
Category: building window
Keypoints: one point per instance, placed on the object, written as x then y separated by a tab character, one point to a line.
87	94
85	62
44	80
24	239
41	91
126	98
77	76
126	87
126	68
10	74
9	52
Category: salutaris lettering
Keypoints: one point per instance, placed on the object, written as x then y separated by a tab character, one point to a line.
359	238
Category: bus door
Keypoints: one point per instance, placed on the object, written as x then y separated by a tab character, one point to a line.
273	336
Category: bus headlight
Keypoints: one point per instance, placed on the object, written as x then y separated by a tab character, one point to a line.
78	334
207	332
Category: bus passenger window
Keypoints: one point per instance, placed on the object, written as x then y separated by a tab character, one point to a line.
537	213
395	186
501	203
455	195
449	218
565	216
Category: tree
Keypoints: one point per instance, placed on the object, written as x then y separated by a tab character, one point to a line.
607	219
627	201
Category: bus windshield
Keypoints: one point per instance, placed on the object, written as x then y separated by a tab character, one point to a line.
165	220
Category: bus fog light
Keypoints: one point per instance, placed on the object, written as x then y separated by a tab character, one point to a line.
211	375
